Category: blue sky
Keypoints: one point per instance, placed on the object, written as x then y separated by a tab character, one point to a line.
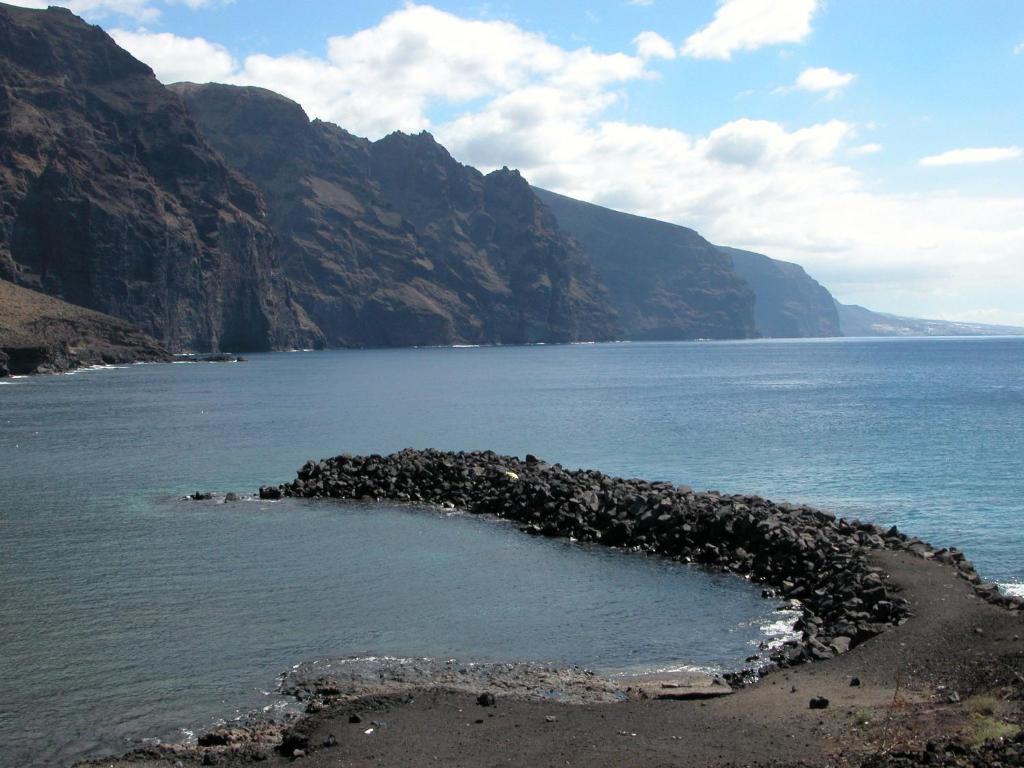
880	144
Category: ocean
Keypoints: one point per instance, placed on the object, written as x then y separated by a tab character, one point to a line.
130	613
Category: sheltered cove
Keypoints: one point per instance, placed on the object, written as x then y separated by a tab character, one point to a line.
936	631
798	552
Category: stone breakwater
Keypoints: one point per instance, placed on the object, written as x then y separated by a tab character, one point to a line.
797	552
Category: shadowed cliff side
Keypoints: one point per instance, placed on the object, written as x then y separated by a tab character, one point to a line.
790	303
666	281
113	200
394	243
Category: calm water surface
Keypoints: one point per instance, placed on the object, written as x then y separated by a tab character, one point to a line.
126	613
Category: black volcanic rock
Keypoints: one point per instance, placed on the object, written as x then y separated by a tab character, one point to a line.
113	200
394	243
41	334
790	303
666	281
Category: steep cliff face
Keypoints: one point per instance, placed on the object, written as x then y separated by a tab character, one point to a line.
112	199
394	243
790	303
496	240
666	281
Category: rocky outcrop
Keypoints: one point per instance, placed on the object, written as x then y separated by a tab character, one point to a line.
113	200
790	303
666	281
394	243
41	334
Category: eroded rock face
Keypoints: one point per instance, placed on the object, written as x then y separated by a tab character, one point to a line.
394	243
113	200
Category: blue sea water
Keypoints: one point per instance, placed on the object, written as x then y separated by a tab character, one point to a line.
126	612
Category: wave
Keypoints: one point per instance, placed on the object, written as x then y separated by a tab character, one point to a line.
90	368
779	628
664	669
1013	588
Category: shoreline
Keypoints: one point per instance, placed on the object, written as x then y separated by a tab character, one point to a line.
939	665
50	368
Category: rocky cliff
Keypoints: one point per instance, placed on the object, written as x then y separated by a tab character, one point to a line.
394	243
112	199
41	334
666	281
217	217
790	303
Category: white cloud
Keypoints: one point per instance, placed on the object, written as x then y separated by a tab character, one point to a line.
1018	49
510	97
746	25
384	78
972	156
764	143
175	59
823	80
651	45
866	149
641	2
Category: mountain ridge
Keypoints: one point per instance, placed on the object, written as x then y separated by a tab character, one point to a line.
221	217
394	242
114	201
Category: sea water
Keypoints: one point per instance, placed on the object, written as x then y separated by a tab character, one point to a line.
128	613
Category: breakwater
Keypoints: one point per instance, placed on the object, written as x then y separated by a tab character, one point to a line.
797	552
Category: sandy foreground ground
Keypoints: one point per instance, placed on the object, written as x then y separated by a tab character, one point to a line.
952	675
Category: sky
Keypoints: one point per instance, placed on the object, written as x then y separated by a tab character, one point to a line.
879	144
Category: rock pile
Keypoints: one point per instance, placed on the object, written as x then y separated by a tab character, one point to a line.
992	754
799	552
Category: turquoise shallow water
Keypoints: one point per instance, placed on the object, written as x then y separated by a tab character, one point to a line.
126	612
